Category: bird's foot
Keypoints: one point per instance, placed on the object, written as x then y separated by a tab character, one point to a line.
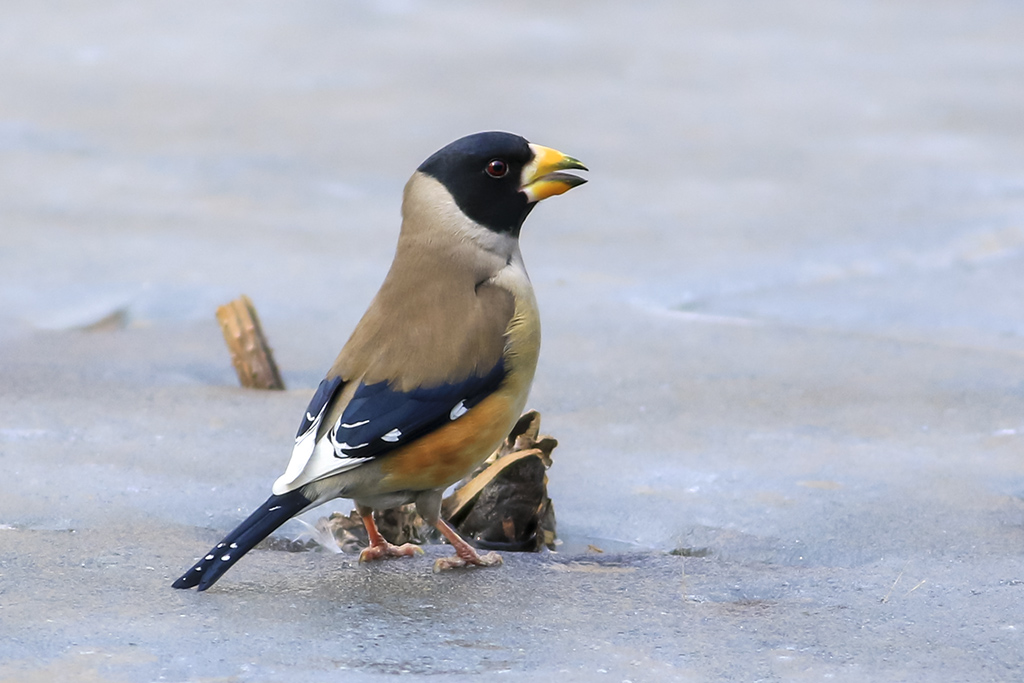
465	554
379	548
381	551
461	559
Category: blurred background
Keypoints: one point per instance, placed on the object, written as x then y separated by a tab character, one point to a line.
790	161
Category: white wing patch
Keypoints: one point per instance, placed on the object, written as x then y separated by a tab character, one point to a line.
459	410
393	436
314	423
314	461
344	445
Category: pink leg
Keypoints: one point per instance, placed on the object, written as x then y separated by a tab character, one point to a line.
379	548
465	554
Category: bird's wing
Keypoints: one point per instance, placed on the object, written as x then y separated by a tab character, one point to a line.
363	410
314	414
376	420
303	452
379	418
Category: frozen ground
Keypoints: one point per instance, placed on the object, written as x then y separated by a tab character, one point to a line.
784	334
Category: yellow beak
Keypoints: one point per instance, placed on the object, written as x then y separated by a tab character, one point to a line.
542	177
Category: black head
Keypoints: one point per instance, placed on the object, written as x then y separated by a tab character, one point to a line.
484	174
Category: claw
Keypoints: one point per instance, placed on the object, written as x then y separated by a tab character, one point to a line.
465	554
380	549
443	564
386	550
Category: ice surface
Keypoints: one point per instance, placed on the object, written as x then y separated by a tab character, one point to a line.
783	334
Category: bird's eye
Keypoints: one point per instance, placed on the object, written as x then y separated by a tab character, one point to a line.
497	168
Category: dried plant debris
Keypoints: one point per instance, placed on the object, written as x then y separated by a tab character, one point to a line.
250	353
502	505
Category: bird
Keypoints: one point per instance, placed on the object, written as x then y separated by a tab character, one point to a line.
438	369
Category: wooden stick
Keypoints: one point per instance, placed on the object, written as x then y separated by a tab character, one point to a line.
250	353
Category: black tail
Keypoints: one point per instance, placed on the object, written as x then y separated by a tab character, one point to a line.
260	524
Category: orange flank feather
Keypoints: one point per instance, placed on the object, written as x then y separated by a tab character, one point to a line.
444	456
